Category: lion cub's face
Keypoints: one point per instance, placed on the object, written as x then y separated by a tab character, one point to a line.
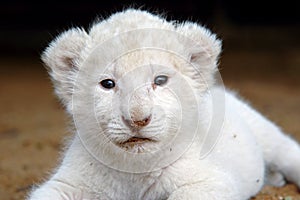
136	105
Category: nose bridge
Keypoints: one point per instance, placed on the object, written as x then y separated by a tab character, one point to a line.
138	104
141	104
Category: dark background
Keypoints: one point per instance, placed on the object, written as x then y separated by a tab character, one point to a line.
27	26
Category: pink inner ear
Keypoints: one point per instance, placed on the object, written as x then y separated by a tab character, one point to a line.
69	62
193	57
196	56
202	58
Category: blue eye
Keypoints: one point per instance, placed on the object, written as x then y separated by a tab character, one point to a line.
160	80
108	83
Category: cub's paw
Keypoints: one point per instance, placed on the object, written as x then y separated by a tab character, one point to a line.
275	179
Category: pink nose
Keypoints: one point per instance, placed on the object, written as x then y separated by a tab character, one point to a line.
137	123
144	122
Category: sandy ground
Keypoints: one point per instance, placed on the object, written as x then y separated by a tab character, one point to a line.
33	124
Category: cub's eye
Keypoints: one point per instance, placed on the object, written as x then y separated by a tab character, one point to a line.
160	80
108	83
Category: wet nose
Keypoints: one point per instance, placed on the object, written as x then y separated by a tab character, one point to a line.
135	123
143	122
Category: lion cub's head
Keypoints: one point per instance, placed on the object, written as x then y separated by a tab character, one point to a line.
132	79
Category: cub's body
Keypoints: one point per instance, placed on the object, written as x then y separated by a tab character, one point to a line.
229	160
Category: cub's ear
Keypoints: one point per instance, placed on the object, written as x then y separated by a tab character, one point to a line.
62	58
203	51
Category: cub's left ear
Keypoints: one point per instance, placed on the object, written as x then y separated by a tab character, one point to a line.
62	58
203	50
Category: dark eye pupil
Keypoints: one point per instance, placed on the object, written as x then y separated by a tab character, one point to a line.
160	80
108	83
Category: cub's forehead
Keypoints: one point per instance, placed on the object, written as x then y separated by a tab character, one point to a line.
144	48
145	61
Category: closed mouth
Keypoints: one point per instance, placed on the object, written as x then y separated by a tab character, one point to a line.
136	140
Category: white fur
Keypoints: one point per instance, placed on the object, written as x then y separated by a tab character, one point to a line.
250	151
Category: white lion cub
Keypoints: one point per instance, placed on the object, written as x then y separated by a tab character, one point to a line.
151	121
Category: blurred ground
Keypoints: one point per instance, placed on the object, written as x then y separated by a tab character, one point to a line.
263	65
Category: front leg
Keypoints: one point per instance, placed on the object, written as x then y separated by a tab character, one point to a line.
58	190
212	190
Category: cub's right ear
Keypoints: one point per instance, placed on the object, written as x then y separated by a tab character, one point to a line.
62	58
